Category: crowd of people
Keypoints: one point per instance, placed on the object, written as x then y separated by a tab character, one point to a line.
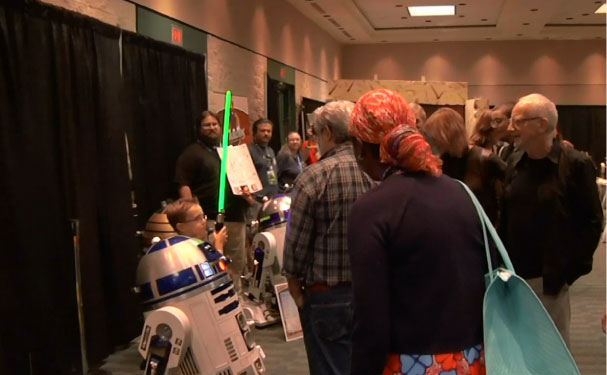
384	253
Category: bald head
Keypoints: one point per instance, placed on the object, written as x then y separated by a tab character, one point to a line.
540	106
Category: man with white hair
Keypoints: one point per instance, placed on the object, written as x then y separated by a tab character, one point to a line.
316	259
551	217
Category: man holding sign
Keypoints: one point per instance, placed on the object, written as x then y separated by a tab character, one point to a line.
198	174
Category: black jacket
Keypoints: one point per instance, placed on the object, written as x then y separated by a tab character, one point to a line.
551	216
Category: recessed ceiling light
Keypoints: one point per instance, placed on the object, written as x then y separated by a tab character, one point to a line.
534	10
602	9
432	10
526	24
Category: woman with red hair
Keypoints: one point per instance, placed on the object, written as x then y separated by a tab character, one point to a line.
416	250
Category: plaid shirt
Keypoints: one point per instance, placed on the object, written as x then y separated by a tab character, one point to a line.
316	241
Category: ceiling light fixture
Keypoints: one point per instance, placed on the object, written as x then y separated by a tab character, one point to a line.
602	9
433	10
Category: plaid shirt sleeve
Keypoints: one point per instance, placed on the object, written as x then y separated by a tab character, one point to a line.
299	237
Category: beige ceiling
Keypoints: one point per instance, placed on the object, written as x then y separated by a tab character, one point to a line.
388	21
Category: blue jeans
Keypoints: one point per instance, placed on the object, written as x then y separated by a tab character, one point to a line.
326	320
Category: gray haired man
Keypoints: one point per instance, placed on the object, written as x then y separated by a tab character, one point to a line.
551	216
316	259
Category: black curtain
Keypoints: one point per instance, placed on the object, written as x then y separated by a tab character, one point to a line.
166	91
584	126
65	108
61	155
281	102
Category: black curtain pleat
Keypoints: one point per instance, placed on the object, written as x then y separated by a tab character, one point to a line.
166	90
584	126
273	104
65	108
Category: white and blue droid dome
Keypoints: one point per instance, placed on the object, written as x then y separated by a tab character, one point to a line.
176	267
274	212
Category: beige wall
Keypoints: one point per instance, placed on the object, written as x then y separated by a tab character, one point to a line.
244	73
115	12
272	28
568	72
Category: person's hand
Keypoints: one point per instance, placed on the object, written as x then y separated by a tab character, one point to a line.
299	299
296	290
246	194
221	238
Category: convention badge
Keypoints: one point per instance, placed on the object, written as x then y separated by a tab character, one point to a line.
272	179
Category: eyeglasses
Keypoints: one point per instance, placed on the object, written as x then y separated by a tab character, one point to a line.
520	121
197	218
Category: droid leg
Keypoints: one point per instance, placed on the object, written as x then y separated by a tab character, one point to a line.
165	339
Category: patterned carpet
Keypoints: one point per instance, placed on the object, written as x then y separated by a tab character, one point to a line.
289	358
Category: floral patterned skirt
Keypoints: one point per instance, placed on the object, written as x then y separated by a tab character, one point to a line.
470	361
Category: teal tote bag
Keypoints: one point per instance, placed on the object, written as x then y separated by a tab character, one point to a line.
520	337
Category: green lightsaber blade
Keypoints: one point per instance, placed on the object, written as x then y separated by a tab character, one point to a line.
224	151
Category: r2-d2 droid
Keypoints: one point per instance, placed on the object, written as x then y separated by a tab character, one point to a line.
194	324
268	247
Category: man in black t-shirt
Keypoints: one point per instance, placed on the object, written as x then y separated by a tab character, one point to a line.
197	174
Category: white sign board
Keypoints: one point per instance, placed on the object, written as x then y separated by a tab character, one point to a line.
241	170
288	313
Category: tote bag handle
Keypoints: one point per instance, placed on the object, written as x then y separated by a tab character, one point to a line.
487	226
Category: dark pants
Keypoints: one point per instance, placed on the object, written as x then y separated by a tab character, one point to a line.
326	319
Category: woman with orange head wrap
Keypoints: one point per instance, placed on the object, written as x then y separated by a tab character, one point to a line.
416	251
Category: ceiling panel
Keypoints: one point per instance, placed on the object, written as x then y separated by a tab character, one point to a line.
388	21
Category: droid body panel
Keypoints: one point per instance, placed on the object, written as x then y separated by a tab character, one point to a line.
194	324
268	247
